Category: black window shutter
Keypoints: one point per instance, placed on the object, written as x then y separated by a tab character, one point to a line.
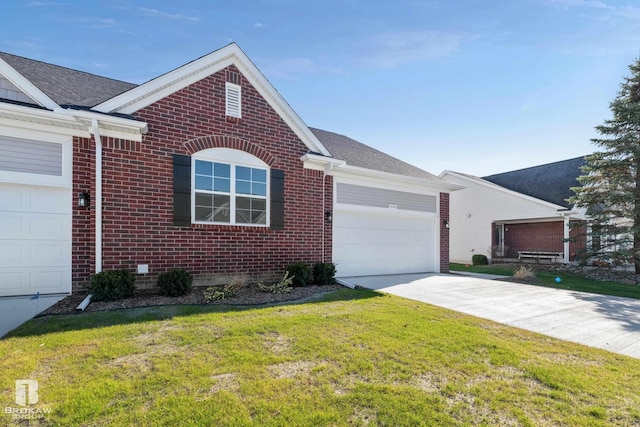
181	190
277	199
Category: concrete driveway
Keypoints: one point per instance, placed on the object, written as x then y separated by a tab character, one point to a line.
610	323
14	311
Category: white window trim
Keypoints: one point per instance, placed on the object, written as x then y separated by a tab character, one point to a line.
233	158
232	110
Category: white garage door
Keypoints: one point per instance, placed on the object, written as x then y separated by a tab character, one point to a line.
372	243
35	240
35	220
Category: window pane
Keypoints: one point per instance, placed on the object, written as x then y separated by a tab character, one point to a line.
258	217
204	214
222	170
221	208
259	204
259	175
243	203
204	168
222	184
204	199
259	190
243	216
243	173
243	187
203	183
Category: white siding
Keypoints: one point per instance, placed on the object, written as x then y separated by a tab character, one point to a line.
382	198
27	156
474	209
10	91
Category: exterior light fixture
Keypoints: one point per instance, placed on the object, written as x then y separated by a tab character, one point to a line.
446	223
84	199
328	216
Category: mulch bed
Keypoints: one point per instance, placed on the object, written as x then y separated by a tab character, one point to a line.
246	295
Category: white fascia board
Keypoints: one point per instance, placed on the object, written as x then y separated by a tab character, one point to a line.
163	86
321	163
26	86
496	187
23	117
117	127
402	180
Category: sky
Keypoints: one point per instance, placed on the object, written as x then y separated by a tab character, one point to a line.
474	86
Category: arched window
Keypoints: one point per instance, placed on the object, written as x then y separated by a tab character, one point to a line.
229	187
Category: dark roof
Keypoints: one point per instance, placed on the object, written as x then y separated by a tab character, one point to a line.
64	85
78	89
358	154
551	182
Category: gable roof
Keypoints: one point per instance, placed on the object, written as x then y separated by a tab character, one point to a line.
78	90
66	86
360	155
551	182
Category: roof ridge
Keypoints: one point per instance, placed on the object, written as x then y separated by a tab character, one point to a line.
537	166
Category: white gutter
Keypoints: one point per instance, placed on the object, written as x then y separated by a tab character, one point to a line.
98	196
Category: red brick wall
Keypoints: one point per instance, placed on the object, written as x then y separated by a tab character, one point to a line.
533	236
444	232
542	236
138	187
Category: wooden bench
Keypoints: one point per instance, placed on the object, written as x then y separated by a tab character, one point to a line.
538	255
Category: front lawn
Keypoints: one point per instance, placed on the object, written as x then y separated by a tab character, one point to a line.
568	280
353	358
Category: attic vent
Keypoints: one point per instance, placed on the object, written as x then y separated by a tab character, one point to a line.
234	100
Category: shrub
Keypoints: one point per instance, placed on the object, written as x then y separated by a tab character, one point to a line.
175	283
218	293
523	273
112	285
300	272
479	259
282	287
324	273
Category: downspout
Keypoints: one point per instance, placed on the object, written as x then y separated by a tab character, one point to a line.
324	207
98	197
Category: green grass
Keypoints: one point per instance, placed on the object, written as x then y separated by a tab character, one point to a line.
568	280
354	358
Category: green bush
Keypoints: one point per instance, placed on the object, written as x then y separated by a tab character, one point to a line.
112	285
218	293
324	273
175	283
282	287
479	259
300	272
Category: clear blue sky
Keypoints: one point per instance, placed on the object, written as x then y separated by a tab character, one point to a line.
476	86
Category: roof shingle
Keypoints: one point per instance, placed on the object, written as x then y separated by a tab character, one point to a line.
66	86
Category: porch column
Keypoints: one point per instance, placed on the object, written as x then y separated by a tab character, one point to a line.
566	239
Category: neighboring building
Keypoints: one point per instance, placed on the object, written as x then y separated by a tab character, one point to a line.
512	213
205	168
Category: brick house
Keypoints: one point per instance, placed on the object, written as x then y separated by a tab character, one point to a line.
518	214
205	168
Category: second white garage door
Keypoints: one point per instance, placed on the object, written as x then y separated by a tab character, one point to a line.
367	243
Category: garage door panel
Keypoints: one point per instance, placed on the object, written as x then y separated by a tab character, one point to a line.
17	253
44	280
38	226
368	236
24	198
381	252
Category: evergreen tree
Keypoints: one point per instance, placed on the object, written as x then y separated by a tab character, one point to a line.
610	184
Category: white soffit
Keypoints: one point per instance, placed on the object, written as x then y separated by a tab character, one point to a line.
163	86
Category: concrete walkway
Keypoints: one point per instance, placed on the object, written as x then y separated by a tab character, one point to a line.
14	311
606	322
